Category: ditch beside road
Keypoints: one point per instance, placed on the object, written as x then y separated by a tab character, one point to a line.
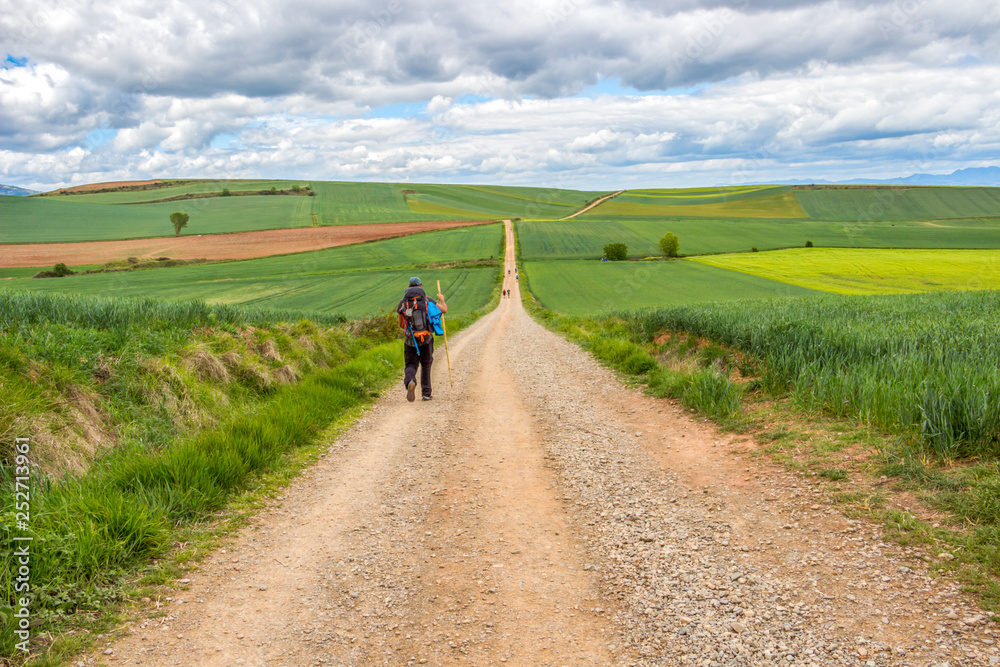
540	513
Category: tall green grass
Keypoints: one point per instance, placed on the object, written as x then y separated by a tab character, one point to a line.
51	345
90	530
21	312
134	361
926	365
696	382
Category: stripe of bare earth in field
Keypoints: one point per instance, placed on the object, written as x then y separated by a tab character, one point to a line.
241	245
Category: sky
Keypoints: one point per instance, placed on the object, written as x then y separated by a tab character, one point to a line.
589	94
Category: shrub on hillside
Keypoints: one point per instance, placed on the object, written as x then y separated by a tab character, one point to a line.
670	245
616	252
60	270
179	221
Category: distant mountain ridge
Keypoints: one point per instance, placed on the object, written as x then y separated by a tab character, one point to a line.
16	191
986	176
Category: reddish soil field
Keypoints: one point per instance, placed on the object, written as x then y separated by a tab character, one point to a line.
244	245
107	186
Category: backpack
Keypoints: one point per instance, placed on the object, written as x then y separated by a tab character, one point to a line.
413	318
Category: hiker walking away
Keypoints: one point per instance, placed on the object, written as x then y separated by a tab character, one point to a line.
420	319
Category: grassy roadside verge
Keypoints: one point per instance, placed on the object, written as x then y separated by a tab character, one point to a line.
937	502
95	533
144	419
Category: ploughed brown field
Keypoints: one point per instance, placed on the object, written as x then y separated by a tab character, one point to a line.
242	245
107	186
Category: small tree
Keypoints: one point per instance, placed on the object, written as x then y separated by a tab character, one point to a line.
62	270
225	192
180	221
616	252
809	244
670	245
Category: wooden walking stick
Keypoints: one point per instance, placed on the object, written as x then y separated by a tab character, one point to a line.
444	328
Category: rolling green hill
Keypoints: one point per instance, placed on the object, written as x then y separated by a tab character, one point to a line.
867	271
690	196
476	201
137	213
63	219
744	202
866	203
585	237
349	280
595	288
173	189
352	203
830	203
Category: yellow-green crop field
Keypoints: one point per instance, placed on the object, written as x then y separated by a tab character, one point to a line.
870	271
781	205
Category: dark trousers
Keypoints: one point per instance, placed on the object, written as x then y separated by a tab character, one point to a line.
424	360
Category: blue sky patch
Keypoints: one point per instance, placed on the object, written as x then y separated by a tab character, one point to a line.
225	141
402	110
100	137
614	87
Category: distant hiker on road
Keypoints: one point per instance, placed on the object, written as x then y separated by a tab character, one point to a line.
420	319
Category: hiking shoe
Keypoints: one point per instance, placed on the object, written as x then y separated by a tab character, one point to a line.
411	389
428	398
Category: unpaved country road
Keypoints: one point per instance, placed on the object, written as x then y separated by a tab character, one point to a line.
539	513
590	206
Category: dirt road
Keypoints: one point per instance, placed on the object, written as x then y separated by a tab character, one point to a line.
597	202
539	513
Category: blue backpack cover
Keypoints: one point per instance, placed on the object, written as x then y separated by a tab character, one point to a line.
434	316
